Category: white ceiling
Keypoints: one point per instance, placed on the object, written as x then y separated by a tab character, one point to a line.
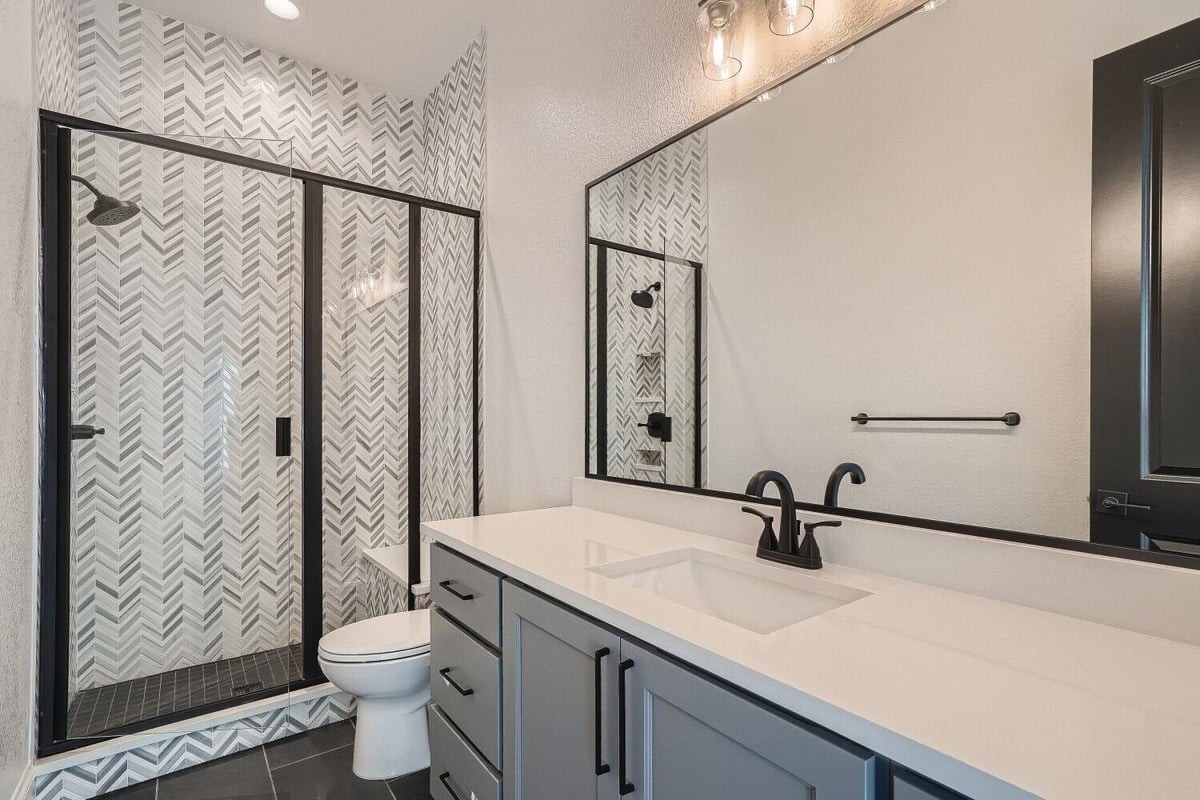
404	46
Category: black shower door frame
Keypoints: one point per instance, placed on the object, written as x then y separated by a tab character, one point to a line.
601	327
55	495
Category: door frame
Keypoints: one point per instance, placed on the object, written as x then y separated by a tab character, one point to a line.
55	348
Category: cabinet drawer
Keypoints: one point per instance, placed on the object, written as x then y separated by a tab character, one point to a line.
467	592
455	771
466	685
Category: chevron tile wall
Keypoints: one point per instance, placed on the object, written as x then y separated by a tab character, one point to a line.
365	408
454	153
659	204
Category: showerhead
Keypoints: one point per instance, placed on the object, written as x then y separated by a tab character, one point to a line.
108	210
642	298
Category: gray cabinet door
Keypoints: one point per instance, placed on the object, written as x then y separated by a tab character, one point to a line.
689	738
559	721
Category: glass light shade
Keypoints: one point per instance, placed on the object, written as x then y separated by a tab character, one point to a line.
790	16
720	30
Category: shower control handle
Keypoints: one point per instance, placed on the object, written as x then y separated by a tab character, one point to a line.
85	432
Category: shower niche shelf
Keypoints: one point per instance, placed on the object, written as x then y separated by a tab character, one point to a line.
649	461
649	378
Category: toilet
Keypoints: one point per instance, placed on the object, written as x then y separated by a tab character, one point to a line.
384	663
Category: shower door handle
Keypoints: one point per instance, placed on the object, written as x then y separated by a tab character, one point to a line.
283	437
85	432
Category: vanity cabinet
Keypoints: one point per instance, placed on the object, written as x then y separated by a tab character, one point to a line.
589	714
560	690
584	712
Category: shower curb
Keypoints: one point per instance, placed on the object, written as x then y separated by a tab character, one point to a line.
128	760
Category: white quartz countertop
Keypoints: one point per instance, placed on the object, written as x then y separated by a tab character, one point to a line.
992	699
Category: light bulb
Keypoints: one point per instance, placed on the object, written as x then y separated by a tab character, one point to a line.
719	30
284	9
787	17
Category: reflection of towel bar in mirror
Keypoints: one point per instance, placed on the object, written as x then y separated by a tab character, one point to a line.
1011	419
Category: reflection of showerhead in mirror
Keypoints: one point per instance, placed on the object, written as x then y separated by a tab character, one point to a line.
108	210
643	298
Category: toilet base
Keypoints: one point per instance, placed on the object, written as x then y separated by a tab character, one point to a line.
388	742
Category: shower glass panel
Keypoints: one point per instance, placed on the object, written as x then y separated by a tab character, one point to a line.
365	362
448	325
683	363
184	503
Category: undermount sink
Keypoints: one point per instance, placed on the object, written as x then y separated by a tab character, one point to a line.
753	596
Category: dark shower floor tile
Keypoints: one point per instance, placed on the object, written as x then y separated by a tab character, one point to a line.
108	708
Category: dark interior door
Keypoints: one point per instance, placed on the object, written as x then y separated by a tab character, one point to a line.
1145	434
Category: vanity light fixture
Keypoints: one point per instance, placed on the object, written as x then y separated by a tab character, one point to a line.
787	17
719	27
284	9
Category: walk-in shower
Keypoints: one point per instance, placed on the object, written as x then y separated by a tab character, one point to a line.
254	374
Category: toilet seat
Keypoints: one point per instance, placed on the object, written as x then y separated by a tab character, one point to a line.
387	638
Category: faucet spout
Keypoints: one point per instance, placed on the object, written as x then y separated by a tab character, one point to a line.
857	477
758	484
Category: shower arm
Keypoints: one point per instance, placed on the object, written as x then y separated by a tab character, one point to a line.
86	183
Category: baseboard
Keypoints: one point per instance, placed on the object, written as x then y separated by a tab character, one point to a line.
24	789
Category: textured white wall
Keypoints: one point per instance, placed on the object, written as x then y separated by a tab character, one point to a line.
925	248
574	90
18	393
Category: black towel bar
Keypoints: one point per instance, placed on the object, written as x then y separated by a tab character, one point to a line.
1011	419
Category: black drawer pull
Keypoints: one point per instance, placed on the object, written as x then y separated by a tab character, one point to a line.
445	782
464	597
622	768
445	673
601	654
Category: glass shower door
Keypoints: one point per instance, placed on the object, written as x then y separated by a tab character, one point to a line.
184	574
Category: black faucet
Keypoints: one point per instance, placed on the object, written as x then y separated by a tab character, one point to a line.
857	477
787	501
806	554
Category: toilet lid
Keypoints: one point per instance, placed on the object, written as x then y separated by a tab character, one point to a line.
379	638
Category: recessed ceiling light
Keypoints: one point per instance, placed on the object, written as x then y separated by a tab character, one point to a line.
284	9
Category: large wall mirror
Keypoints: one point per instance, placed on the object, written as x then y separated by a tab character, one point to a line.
923	228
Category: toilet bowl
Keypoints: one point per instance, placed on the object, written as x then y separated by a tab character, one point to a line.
384	663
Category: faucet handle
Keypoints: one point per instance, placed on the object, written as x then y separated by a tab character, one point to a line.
809	527
768	540
759	514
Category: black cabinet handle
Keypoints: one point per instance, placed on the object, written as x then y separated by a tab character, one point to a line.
622	768
464	597
601	654
445	673
443	778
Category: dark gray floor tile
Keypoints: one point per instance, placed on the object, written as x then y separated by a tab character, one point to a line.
326	777
314	742
142	791
238	777
412	787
